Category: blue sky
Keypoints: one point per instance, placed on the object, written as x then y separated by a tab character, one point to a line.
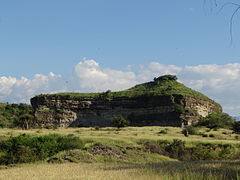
115	38
53	35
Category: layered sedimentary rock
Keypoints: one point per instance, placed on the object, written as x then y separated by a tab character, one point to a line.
162	102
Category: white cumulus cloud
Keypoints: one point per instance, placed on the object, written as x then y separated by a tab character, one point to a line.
21	90
88	76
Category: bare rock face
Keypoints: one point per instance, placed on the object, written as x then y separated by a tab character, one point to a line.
149	104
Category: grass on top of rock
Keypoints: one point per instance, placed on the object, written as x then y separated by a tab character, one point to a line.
163	85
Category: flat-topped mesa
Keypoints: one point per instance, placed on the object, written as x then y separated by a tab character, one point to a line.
162	102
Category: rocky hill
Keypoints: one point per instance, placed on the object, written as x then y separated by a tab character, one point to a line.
162	102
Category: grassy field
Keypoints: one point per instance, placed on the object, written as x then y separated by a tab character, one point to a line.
131	135
153	171
137	163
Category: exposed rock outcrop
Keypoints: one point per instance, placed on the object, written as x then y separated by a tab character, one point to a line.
162	102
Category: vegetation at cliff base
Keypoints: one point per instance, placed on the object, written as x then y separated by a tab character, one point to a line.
218	120
236	127
119	121
16	115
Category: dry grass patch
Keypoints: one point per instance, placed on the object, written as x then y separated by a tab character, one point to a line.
153	171
73	171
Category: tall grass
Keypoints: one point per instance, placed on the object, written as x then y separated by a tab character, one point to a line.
143	171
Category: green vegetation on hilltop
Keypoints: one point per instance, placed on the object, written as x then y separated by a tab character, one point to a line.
163	85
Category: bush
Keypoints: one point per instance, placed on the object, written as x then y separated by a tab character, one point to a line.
97	128
204	135
175	149
119	121
217	120
214	152
167	77
236	127
211	135
25	148
24	121
14	115
163	131
179	108
190	130
200	151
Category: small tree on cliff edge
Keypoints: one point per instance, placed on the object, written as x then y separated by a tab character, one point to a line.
119	121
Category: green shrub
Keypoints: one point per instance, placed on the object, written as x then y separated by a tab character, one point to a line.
217	120
26	148
204	135
190	130
13	115
175	149
236	127
201	151
25	121
211	135
97	128
214	152
163	131
179	108
119	121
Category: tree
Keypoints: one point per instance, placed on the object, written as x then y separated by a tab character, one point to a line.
236	127
119	121
25	121
167	77
105	95
217	120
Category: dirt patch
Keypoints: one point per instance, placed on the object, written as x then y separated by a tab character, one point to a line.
114	151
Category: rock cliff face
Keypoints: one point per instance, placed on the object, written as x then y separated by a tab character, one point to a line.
158	103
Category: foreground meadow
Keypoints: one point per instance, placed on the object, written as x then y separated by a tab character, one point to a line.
139	153
142	171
